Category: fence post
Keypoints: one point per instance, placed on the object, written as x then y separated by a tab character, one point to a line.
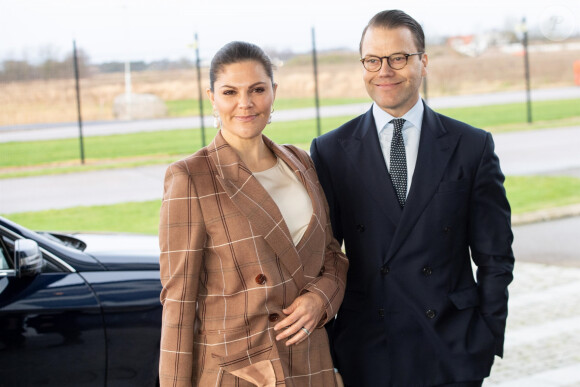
527	69
316	100
79	116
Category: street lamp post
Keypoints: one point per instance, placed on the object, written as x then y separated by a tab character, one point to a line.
198	67
527	69
315	67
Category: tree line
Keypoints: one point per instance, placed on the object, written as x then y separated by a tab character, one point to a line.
14	70
17	70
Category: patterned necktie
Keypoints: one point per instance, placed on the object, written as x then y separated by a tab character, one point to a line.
399	162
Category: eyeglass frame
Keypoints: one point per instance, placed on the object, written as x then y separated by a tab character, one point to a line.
388	58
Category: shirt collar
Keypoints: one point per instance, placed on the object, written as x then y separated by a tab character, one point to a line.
414	116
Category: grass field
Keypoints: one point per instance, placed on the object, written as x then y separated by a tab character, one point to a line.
163	147
143	217
58	156
190	107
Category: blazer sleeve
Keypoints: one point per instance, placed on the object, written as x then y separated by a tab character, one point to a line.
181	240
490	241
331	282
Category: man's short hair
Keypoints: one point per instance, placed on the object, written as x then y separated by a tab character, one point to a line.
395	18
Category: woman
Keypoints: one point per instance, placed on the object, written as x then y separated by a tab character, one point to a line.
249	267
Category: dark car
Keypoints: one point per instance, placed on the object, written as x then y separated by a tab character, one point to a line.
78	309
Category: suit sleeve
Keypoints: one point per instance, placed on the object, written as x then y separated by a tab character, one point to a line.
490	242
181	239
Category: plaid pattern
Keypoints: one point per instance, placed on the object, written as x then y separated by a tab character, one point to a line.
229	267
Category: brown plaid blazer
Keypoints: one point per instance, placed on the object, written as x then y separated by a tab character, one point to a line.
229	267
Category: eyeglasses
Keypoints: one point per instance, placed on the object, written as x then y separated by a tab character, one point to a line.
395	61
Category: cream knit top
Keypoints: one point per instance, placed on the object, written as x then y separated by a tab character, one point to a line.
290	196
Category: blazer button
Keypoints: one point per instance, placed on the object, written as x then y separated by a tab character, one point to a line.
427	271
446	229
273	317
385	270
260	279
321	271
360	227
381	313
431	313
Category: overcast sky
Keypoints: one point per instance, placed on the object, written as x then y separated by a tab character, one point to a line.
119	30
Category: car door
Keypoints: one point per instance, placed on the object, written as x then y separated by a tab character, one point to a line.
51	325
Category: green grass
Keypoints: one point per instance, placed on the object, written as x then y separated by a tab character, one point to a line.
492	116
100	147
162	143
190	107
532	193
134	217
124	150
525	193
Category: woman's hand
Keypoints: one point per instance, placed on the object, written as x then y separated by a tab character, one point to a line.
305	312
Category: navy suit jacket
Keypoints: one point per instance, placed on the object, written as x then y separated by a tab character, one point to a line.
414	314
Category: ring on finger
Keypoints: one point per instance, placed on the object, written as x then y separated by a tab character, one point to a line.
306	331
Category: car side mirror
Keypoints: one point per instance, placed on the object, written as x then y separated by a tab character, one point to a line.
27	258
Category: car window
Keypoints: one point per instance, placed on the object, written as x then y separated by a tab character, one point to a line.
7	256
6	253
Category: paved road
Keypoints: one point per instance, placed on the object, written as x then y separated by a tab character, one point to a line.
81	189
550	151
554	242
553	151
70	130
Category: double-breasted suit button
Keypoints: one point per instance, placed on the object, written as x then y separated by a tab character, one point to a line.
260	279
446	229
385	270
321	271
427	271
274	317
431	313
360	227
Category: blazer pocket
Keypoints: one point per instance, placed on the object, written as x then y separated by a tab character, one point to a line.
465	298
219	337
244	358
454	186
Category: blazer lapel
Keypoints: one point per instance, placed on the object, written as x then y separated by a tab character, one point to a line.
436	146
364	151
252	200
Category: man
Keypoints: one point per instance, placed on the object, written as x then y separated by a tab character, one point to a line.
412	200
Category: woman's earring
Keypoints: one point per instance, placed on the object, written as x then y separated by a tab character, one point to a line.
216	120
270	117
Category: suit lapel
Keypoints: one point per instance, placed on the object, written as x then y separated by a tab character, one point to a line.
436	146
252	200
364	152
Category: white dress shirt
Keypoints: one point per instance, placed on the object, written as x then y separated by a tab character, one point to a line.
411	134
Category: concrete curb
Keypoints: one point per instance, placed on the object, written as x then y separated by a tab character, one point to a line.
547	214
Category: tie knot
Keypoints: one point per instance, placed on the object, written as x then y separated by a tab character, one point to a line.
398	123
